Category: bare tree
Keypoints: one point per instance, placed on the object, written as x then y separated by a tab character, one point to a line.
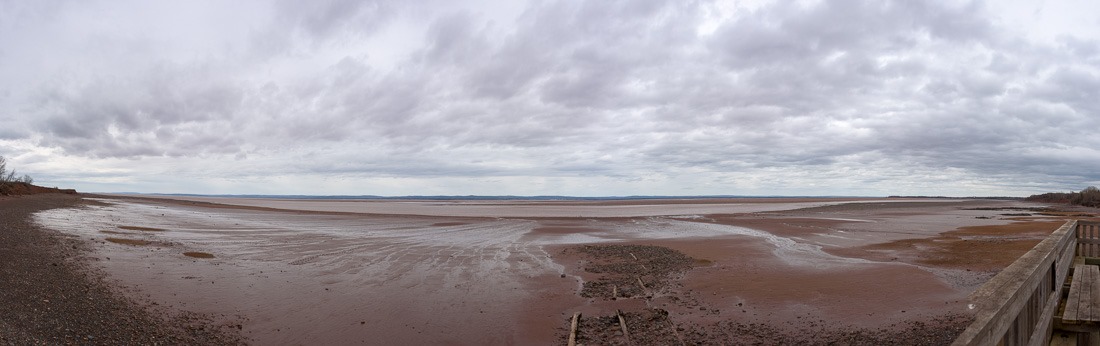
1089	197
9	176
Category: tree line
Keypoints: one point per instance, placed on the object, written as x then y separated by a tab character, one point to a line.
1089	197
7	176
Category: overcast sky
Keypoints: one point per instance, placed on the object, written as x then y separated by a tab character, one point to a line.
582	98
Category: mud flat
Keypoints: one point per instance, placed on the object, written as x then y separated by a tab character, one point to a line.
721	271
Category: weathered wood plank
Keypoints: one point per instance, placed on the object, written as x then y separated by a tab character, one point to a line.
1043	329
1093	304
1088	241
1083	302
1073	301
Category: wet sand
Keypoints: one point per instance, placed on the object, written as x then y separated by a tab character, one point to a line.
52	293
503	273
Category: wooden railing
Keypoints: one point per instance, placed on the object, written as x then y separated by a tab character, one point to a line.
1088	239
1017	306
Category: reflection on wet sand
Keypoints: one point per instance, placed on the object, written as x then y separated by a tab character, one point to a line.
294	277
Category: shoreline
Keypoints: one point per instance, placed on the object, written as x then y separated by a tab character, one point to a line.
52	293
525	208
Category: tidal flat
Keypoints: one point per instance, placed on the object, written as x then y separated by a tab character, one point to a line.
723	271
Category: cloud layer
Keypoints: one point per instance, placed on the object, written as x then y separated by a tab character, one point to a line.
553	97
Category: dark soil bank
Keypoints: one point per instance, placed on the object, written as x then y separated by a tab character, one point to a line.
49	294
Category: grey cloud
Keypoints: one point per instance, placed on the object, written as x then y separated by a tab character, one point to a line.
297	27
150	115
787	31
12	133
324	18
609	89
455	39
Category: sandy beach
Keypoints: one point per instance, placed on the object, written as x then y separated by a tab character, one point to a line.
770	271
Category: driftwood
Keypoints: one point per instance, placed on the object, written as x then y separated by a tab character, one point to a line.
573	329
622	324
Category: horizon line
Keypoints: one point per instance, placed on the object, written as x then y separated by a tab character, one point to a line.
535	197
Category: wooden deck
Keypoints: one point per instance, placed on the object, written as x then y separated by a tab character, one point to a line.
1079	320
1083	302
